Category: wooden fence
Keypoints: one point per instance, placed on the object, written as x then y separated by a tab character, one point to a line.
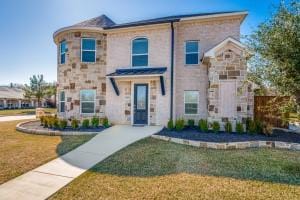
266	109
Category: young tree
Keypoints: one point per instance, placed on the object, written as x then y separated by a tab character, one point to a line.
276	45
36	88
51	91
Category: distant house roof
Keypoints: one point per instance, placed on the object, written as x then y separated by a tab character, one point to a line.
11	93
104	22
139	71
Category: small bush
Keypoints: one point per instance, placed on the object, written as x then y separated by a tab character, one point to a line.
179	124
95	121
267	129
42	120
170	125
215	126
228	127
63	123
259	127
239	128
248	120
85	123
45	122
51	121
252	127
55	122
191	123
105	122
75	123
203	125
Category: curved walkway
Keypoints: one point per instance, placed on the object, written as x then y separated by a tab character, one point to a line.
15	118
42	182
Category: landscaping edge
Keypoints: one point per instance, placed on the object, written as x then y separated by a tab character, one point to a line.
20	128
231	145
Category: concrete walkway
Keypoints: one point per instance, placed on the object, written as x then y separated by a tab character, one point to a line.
45	180
15	118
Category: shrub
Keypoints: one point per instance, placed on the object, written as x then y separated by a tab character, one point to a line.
75	123
85	123
63	123
45	122
239	128
259	127
228	127
248	120
203	125
105	122
51	121
42	119
179	124
95	122
252	127
267	129
170	124
191	123
215	126
55	122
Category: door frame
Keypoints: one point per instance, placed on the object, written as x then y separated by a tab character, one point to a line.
132	100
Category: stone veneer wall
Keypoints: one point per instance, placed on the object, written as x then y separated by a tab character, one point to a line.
229	64
74	76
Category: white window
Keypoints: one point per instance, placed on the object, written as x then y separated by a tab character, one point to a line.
63	49
192	52
139	52
62	101
191	101
87	101
88	50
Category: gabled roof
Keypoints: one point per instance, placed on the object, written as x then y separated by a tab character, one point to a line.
103	22
139	71
176	18
7	92
212	52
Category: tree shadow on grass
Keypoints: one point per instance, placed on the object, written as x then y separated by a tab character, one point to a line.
151	157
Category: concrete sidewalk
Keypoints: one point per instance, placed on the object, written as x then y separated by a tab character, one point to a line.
15	118
45	180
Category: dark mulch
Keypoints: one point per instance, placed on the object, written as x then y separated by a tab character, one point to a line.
194	134
37	125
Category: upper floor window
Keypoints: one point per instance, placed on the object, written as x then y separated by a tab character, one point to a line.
62	101
87	101
88	50
191	99
63	49
140	52
191	52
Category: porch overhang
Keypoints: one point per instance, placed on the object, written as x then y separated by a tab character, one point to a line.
145	72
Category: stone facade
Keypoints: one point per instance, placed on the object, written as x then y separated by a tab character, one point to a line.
229	65
74	75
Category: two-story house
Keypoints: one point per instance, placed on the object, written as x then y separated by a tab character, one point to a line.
150	71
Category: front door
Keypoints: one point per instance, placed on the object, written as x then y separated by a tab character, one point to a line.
140	104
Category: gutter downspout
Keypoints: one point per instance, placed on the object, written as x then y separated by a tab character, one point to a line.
172	69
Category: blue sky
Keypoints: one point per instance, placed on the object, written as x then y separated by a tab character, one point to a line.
27	26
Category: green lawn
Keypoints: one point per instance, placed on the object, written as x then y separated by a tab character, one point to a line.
24	111
153	169
22	152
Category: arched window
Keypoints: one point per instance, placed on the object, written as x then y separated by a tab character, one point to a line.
139	52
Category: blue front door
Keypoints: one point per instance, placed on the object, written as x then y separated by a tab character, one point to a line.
140	104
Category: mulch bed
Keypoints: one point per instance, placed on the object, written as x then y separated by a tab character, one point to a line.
37	125
194	134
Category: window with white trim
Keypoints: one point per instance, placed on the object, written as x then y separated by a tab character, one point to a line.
87	101
62	101
88	50
63	49
139	52
192	52
191	102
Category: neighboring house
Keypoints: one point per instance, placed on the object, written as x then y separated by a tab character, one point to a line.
150	71
13	98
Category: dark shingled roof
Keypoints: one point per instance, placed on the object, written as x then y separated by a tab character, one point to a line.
100	21
138	71
167	19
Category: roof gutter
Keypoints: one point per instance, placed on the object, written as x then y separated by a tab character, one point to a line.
172	70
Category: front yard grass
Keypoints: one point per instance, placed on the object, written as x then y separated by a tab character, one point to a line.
10	112
20	152
154	169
